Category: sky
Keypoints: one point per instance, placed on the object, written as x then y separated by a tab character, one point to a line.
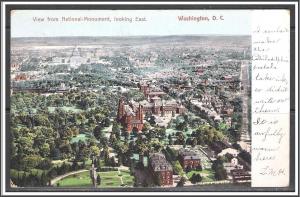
158	22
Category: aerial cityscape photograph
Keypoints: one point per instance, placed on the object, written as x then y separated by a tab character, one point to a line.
170	111
130	112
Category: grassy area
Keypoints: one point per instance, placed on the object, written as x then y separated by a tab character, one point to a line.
207	175
83	137
125	172
108	179
77	180
173	130
170	131
128	180
109	173
70	109
113	178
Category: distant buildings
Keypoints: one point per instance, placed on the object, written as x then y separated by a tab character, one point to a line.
76	59
14	66
155	104
150	91
161	169
21	77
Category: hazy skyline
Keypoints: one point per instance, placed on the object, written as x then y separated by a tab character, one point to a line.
159	23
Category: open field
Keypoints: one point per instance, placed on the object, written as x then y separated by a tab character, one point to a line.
65	108
76	180
108	179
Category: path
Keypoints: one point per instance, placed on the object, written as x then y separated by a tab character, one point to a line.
121	178
53	181
125	168
244	76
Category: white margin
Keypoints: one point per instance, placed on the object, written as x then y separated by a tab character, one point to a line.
3	101
3	85
296	98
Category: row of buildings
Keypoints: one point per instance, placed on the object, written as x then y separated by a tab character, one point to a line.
162	170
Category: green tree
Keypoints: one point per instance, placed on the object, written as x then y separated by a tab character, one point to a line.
98	132
196	178
95	151
194	142
178	168
45	164
157	145
218	167
146	127
45	150
181	182
98	164
31	161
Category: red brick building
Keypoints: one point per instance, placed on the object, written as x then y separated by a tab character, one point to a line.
150	91
130	116
21	77
155	103
157	106
189	159
161	169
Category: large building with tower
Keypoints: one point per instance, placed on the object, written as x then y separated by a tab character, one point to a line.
130	116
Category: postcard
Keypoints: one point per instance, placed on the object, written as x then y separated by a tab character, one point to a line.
156	98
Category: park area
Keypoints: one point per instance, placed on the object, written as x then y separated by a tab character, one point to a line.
108	179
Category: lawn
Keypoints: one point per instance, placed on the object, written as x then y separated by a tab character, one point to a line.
109	173
108	179
207	174
125	172
83	137
70	109
113	179
128	180
174	130
170	131
77	180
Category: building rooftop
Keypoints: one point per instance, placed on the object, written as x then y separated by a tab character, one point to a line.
189	154
129	110
158	162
